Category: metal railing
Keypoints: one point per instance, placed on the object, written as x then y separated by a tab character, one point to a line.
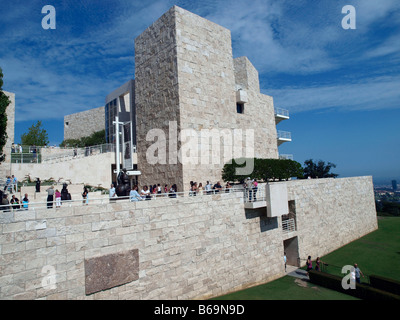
254	194
31	154
284	135
281	112
105	200
288	225
249	195
286	157
74	153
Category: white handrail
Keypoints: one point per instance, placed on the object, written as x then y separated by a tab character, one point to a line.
281	112
284	135
105	200
288	225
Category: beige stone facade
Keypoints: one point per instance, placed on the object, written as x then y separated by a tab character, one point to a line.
5	167
186	78
94	170
188	247
83	124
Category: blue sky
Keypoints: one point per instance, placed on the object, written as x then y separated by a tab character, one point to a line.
342	87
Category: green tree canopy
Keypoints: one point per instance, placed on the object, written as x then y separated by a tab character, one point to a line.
264	169
318	169
4	102
96	138
36	136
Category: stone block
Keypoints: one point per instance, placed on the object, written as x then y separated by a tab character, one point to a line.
109	271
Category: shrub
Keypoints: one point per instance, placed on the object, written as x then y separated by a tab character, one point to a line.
264	169
385	284
362	291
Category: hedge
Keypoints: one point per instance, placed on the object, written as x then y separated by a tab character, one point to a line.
362	291
263	169
385	284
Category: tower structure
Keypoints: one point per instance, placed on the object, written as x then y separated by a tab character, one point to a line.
196	106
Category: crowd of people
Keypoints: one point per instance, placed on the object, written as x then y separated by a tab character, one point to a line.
57	197
9	200
148	192
10	190
355	272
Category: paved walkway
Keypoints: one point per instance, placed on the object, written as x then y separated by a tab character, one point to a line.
296	272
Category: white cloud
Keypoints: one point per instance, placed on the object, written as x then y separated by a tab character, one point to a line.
63	74
372	94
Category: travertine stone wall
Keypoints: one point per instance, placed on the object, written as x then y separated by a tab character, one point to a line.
83	124
92	170
259	111
5	167
157	102
185	73
189	248
332	212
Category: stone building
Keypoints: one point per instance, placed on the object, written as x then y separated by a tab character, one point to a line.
196	106
83	124
191	107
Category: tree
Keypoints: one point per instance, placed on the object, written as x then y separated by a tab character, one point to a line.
4	102
36	136
318	169
96	138
264	169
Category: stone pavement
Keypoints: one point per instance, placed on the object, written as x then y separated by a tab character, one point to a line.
296	272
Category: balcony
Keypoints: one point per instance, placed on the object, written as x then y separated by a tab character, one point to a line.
255	198
288	225
286	157
283	136
281	114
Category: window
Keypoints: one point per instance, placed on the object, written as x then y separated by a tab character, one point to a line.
240	107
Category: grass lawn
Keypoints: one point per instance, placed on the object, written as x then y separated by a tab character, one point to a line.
376	253
286	288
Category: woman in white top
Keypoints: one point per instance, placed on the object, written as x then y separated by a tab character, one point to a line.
145	193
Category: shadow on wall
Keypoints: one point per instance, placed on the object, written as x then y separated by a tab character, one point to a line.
266	223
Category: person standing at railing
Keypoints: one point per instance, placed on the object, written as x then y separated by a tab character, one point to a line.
58	199
172	191
5	203
249	188
111	192
25	202
309	264
358	273
85	196
284	259
146	193
15	202
8	184
318	263
14	184
37	185
50	197
208	187
255	188
134	194
200	189
217	187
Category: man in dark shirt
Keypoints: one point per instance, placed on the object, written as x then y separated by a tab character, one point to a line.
217	187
